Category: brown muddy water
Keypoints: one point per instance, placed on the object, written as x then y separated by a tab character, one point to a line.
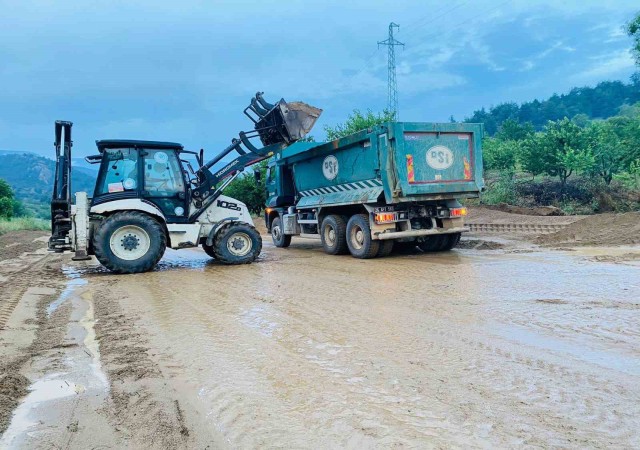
513	347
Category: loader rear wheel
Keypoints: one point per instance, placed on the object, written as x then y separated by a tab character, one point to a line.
277	234
237	243
129	242
386	247
333	234
359	238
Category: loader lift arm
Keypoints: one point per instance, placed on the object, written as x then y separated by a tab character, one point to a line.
277	126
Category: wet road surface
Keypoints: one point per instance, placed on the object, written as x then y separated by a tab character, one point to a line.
467	348
515	347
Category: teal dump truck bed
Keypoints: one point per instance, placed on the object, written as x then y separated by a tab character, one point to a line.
394	163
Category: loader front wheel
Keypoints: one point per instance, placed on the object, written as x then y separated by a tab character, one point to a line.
208	249
359	238
237	243
129	242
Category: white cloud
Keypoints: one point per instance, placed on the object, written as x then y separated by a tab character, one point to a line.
607	65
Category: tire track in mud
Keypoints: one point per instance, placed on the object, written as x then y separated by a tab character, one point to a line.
345	353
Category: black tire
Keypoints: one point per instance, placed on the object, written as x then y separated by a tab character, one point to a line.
405	247
208	249
452	241
386	247
240	234
279	238
359	238
135	221
431	243
333	234
440	243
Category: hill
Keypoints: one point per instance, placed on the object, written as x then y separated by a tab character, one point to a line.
600	102
31	177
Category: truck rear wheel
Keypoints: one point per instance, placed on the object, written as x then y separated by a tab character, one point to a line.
386	247
440	243
129	242
237	243
359	238
452	241
333	234
277	234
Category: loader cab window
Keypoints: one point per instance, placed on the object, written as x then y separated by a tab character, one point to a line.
162	173
119	172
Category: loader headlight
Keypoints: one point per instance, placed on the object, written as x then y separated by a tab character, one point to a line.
179	211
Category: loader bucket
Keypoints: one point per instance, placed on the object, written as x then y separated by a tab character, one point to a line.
283	122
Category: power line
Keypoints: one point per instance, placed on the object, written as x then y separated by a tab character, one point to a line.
392	85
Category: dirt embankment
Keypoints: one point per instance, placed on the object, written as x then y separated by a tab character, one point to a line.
601	229
480	214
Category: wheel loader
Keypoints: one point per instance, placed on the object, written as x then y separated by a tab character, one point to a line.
149	197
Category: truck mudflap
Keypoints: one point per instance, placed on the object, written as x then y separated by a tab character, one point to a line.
385	235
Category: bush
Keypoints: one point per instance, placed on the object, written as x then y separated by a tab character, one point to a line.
23	223
500	191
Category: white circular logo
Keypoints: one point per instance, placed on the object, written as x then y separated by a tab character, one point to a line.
161	157
330	167
440	157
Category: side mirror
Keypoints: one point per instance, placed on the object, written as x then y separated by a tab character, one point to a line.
257	176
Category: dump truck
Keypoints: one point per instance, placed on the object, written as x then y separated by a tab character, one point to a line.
149	197
398	183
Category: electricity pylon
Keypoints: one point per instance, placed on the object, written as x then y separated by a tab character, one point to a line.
392	96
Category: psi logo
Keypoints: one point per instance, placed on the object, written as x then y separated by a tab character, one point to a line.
330	167
440	157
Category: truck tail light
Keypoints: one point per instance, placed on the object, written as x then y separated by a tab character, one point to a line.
390	217
458	212
385	217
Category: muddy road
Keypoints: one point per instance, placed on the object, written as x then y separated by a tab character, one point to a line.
498	344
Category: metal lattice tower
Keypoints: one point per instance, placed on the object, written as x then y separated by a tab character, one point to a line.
392	96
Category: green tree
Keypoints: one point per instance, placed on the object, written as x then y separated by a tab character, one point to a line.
498	154
249	191
608	149
559	151
633	30
356	121
566	150
512	130
7	202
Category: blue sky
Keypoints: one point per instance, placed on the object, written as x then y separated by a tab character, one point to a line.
183	71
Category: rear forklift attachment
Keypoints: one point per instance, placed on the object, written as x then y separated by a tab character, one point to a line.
61	199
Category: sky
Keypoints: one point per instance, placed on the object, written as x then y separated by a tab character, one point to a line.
183	71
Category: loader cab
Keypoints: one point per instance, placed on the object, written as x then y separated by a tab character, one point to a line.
146	170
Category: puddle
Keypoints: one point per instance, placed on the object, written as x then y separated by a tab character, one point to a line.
47	389
74	282
53	397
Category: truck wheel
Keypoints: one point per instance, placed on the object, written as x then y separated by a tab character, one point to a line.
208	249
359	238
386	247
431	243
237	243
333	234
405	247
129	242
451	241
277	234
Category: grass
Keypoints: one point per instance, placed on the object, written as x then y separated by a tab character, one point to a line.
23	223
